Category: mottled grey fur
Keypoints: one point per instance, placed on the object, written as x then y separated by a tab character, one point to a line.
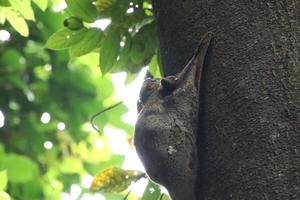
166	130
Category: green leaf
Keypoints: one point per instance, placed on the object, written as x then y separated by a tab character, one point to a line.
3	179
89	42
109	51
4	3
65	38
23	7
20	169
113	196
158	54
2	151
152	191
137	52
42	4
17	22
18	82
4	196
83	9
10	59
154	67
124	63
143	45
118	12
103	4
32	189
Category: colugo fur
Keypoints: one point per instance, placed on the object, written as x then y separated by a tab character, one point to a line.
166	129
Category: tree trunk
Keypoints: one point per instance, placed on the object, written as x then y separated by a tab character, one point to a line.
249	142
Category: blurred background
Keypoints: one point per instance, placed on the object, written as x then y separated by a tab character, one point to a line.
62	61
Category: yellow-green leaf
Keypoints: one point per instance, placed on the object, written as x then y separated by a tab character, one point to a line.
90	41
71	165
114	179
154	67
23	7
42	4
4	196
3	179
2	15
20	169
109	51
65	38
17	22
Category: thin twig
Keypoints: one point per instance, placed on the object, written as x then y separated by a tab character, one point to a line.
99	113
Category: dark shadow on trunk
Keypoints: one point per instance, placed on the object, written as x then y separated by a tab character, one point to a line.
249	138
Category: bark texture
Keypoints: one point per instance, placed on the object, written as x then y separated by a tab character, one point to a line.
249	142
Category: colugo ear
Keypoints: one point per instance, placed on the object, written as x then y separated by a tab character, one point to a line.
148	75
193	70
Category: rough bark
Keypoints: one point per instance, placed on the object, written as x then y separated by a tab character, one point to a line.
249	142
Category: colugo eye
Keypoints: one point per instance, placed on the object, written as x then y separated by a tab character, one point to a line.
147	89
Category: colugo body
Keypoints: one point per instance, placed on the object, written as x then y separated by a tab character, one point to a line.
166	129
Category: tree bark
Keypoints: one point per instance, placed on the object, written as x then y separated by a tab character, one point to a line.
249	141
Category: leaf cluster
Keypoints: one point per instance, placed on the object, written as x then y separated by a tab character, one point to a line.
128	43
17	12
45	158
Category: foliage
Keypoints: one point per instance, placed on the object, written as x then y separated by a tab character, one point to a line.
3	184
114	179
47	146
128	43
16	12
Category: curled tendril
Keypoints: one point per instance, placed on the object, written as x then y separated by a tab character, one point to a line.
99	113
